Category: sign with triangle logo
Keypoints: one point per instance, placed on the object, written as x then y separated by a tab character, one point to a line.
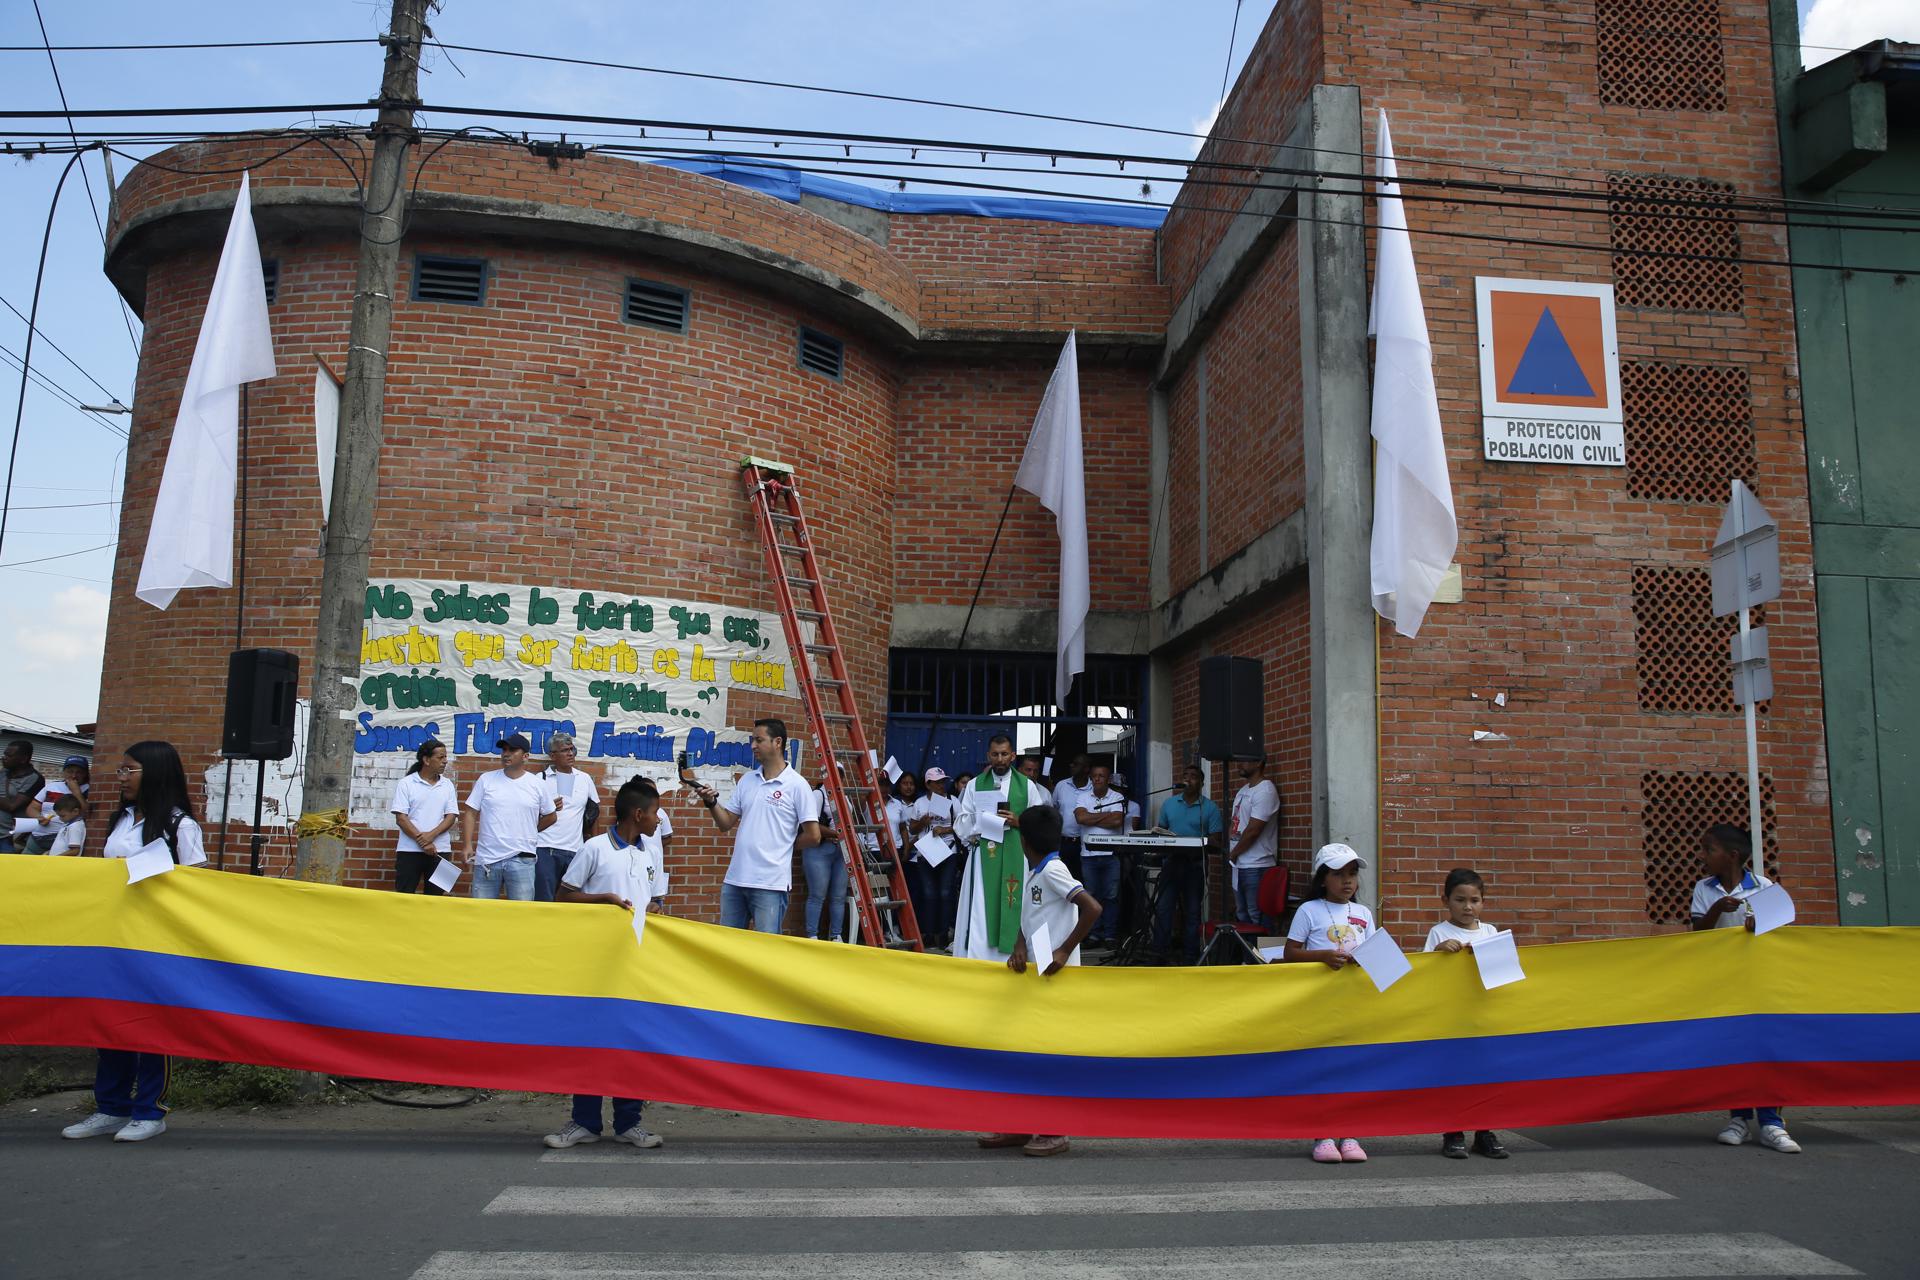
1549	373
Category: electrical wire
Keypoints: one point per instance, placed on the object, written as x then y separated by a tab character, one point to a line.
214	44
62	351
64	555
1232	37
64	396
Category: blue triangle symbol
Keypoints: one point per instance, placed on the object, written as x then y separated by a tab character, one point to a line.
1547	366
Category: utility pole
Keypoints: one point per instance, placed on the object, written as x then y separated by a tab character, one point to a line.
356	472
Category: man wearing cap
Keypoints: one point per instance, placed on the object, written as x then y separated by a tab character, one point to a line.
500	826
989	911
771	812
578	796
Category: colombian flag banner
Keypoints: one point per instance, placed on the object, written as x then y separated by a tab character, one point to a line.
558	998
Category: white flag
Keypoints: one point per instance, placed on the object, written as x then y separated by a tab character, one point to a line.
326	430
190	542
1414	533
1054	471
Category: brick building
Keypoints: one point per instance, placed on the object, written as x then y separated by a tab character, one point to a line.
536	434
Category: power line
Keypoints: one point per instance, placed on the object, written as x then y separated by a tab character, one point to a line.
1232	36
57	347
65	397
86	181
217	44
65	555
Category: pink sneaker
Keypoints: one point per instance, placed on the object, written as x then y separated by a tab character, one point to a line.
1351	1153
1326	1152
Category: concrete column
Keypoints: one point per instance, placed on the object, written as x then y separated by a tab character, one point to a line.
1159	709
1339	464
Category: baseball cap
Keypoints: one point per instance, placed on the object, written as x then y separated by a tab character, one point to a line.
935	774
71	760
1335	856
513	742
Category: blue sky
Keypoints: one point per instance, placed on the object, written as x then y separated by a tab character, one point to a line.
1146	62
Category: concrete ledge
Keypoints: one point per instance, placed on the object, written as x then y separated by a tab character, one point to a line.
1007	630
1240	579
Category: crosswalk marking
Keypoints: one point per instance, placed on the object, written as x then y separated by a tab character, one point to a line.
1613	1257
1901	1135
959	1149
1105	1200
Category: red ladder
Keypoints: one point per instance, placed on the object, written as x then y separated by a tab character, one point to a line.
877	880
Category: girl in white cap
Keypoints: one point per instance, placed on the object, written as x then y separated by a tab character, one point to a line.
1326	928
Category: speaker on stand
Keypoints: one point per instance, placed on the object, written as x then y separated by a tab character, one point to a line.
258	725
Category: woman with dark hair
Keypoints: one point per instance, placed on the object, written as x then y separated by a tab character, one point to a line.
154	807
424	808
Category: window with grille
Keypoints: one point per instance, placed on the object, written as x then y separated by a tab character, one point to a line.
1676	809
1676	246
1689	430
821	353
457	280
270	274
658	306
1661	55
1681	648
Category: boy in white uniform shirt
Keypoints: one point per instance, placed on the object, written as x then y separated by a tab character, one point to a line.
1053	904
619	868
72	833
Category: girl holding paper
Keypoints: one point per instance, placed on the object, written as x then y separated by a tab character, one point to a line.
1462	928
154	810
1327	927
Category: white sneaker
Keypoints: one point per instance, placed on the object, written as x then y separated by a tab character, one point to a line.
140	1130
97	1125
571	1136
1775	1138
640	1138
1734	1134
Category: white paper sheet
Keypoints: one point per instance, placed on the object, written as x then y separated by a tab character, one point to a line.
873	757
1499	960
1771	907
1040	949
154	860
1274	955
22	826
446	874
892	769
992	827
1382	959
933	848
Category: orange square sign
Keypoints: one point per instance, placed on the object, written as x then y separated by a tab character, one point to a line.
1550	372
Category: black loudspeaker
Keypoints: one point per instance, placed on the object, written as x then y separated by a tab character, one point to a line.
1232	714
260	688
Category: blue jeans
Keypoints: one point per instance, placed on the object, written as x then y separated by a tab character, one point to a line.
768	908
1768	1115
1181	884
586	1112
510	879
130	1084
1101	874
549	864
1246	896
826	881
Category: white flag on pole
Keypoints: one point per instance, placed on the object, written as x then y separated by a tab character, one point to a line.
190	542
1414	533
1054	471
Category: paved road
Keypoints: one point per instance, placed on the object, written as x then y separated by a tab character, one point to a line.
446	1198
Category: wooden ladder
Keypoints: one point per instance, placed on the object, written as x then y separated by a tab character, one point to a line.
877	880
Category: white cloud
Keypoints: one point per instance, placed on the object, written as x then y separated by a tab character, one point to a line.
58	641
1835	26
1204	125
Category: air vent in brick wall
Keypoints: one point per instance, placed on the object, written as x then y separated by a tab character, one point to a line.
270	272
1675	809
1675	243
821	354
461	280
1680	648
1689	430
1661	55
658	306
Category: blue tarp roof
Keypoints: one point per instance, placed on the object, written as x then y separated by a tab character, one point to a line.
784	182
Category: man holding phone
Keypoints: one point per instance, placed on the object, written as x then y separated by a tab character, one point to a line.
988	824
770	813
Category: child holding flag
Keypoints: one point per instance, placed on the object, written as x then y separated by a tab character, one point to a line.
1326	928
1462	928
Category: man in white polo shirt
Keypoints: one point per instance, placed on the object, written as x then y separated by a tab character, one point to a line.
500	829
771	814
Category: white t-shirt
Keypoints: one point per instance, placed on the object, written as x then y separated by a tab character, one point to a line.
665	828
1132	822
1261	800
576	788
1048	901
1069	795
605	865
1320	925
1710	891
426	805
940	809
510	810
898	811
68	839
127	838
1448	931
770	813
1112	802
